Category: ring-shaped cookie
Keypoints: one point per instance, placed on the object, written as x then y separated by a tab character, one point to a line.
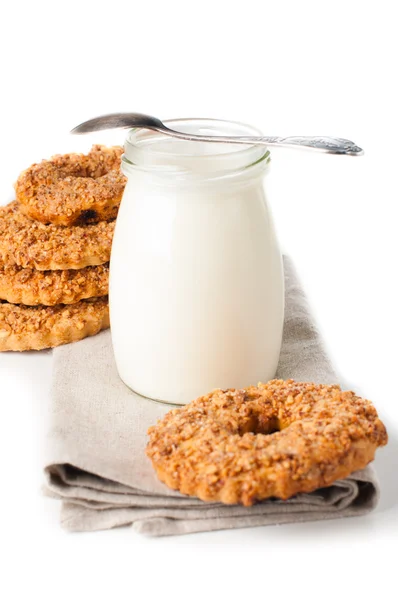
31	244
33	287
39	327
274	440
73	189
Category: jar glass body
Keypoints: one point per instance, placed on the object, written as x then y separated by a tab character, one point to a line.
196	278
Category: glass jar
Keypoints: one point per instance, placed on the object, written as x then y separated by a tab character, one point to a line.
196	278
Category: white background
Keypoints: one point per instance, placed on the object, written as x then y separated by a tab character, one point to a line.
289	68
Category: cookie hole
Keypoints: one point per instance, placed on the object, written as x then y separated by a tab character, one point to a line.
257	425
87	216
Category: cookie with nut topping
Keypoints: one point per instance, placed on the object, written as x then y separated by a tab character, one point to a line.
73	189
31	244
39	327
32	287
273	440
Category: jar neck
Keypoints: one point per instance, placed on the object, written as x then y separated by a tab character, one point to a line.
171	158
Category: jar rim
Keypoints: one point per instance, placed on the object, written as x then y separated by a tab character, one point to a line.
153	150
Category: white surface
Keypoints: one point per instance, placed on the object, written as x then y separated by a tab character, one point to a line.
193	308
294	67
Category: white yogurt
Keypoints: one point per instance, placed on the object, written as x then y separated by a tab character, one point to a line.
196	284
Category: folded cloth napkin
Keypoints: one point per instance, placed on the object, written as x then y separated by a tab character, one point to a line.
96	461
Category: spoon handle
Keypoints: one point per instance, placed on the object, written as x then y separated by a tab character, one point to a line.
331	145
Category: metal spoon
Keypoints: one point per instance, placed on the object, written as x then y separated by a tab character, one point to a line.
331	145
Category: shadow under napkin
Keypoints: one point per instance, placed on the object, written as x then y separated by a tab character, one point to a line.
96	462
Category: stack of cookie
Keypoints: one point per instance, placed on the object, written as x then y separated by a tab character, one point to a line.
55	243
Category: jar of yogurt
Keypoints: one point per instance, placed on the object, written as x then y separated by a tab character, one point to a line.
196	277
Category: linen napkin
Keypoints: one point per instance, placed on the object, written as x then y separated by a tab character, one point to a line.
96	462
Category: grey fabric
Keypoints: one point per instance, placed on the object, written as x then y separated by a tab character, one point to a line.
96	445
